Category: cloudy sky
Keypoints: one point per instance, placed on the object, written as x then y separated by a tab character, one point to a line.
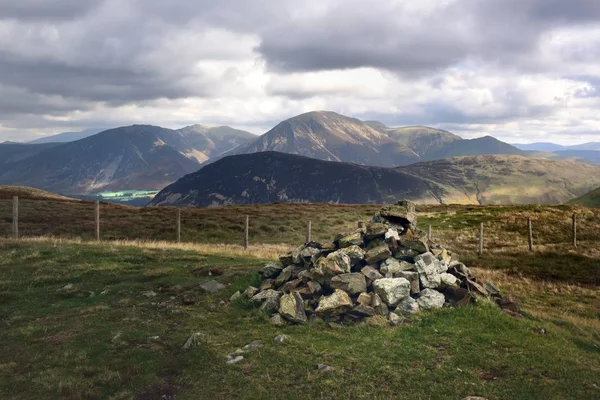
520	70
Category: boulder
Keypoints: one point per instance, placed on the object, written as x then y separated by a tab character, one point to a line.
380	307
267	294
364	299
267	284
353	283
377	254
353	239
355	253
412	277
392	290
270	305
270	270
428	267
250	291
212	286
371	273
393	266
309	254
448	280
392	234
290	285
236	296
374	229
334	264
418	245
401	213
337	303
285	275
362	311
430	299
291	307
395	319
408	306
277	320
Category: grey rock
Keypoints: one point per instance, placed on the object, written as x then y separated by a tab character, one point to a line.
449	280
392	234
270	270
430	299
192	341
365	299
252	346
270	305
308	253
377	254
334	264
428	267
277	320
236	296
374	229
285	275
418	245
267	284
212	286
337	303
395	319
412	277
362	311
371	273
322	368
250	292
355	238
314	287
353	283
279	339
291	307
402	213
392	290
149	293
267	294
380	307
231	359
393	266
355	253
408	306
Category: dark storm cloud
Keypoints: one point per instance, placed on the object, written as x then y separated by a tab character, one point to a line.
384	35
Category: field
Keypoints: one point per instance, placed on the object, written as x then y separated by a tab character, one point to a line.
118	332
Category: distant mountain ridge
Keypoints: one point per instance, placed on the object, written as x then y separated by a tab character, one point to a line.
278	177
66	136
586	152
328	136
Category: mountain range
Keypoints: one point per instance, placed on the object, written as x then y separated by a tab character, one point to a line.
277	177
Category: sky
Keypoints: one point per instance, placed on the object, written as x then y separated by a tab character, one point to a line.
520	70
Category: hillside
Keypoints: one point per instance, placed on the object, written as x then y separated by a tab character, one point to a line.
212	141
134	157
14	152
66	137
7	192
278	177
591	199
329	136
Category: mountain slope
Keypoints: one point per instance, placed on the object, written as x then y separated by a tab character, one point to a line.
134	157
589	156
329	136
13	152
539	146
212	141
591	199
270	176
66	137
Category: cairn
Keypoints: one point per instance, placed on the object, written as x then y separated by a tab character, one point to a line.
387	267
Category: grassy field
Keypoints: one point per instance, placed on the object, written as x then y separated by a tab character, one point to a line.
118	333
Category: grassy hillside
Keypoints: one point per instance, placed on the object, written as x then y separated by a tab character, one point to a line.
118	333
591	199
29	193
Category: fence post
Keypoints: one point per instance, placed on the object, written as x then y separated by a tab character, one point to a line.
246	229
97	218
429	233
530	228
481	239
309	231
574	230
15	218
178	224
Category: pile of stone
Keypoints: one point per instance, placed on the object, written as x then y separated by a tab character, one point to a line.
386	267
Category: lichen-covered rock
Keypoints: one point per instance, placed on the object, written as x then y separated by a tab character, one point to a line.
355	253
430	299
334	264
371	273
290	285
314	287
395	319
374	229
428	267
408	306
353	239
270	270
212	286
412	277
236	296
393	266
291	307
392	290
250	291
362	311
352	284
377	254
401	213
335	304
418	245
309	254
380	307
277	320
285	275
449	280
392	234
364	299
270	305
267	294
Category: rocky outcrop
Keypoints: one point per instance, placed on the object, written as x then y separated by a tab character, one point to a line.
386	267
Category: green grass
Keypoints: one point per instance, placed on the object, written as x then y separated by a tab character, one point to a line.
96	340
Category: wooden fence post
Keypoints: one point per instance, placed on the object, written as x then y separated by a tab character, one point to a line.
429	233
309	231
97	218
246	229
15	218
178	224
574	230
530	237
481	239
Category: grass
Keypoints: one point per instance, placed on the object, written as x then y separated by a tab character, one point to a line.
105	339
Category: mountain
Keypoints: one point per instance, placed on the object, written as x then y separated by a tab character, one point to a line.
588	156
593	146
133	157
66	137
212	141
591	199
329	136
271	177
539	146
13	152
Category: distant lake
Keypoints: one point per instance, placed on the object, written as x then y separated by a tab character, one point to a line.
131	197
